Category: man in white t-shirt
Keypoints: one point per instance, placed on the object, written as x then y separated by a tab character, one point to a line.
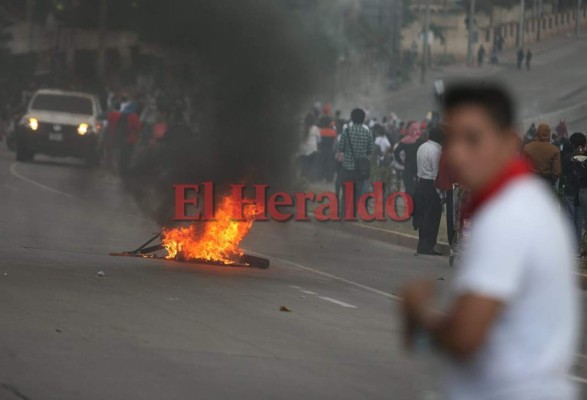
511	331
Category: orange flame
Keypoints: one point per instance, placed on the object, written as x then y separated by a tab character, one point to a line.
216	240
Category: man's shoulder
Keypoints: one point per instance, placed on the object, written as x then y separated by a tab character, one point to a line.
524	202
427	146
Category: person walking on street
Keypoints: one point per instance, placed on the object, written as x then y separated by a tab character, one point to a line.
511	329
520	58
325	155
528	59
308	147
354	147
545	157
480	56
427	202
123	128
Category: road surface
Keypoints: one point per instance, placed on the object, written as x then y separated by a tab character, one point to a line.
152	329
556	81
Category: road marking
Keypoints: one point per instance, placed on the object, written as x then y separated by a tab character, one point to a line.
340	303
15	173
338	278
325	298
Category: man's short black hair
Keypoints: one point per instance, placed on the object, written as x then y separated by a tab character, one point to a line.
358	116
437	135
496	101
578	139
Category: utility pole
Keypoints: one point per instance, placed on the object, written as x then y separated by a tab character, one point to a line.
102	37
540	22
425	43
30	10
577	17
521	24
470	27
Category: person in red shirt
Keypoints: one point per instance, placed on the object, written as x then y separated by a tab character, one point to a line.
123	131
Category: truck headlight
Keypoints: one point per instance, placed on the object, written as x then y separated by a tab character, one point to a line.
82	129
33	124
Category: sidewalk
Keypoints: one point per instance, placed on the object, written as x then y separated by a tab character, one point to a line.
392	232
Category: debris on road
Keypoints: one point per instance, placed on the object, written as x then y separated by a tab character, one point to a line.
284	309
101	274
234	259
58	330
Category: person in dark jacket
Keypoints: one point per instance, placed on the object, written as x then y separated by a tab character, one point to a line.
520	58
544	156
574	181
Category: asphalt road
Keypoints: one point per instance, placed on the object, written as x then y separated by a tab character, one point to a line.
556	81
152	329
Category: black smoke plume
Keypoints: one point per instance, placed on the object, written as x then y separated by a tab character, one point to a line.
252	67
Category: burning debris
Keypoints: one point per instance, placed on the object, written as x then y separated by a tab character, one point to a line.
217	240
211	242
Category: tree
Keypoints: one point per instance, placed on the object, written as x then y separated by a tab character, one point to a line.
5	56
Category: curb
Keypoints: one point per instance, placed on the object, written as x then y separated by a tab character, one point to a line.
385	235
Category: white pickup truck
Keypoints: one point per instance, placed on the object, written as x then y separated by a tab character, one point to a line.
61	123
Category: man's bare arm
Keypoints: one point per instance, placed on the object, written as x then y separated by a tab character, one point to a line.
461	331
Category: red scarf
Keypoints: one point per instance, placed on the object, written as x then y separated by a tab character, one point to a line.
514	170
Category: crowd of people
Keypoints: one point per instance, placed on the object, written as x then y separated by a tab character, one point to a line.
407	156
394	141
559	158
515	278
404	155
140	120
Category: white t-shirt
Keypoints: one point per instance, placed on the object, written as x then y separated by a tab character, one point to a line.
310	144
428	159
521	252
383	144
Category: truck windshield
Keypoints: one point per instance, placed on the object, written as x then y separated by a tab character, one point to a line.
63	103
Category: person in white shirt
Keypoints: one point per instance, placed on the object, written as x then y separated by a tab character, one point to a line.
382	142
427	203
511	330
308	146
